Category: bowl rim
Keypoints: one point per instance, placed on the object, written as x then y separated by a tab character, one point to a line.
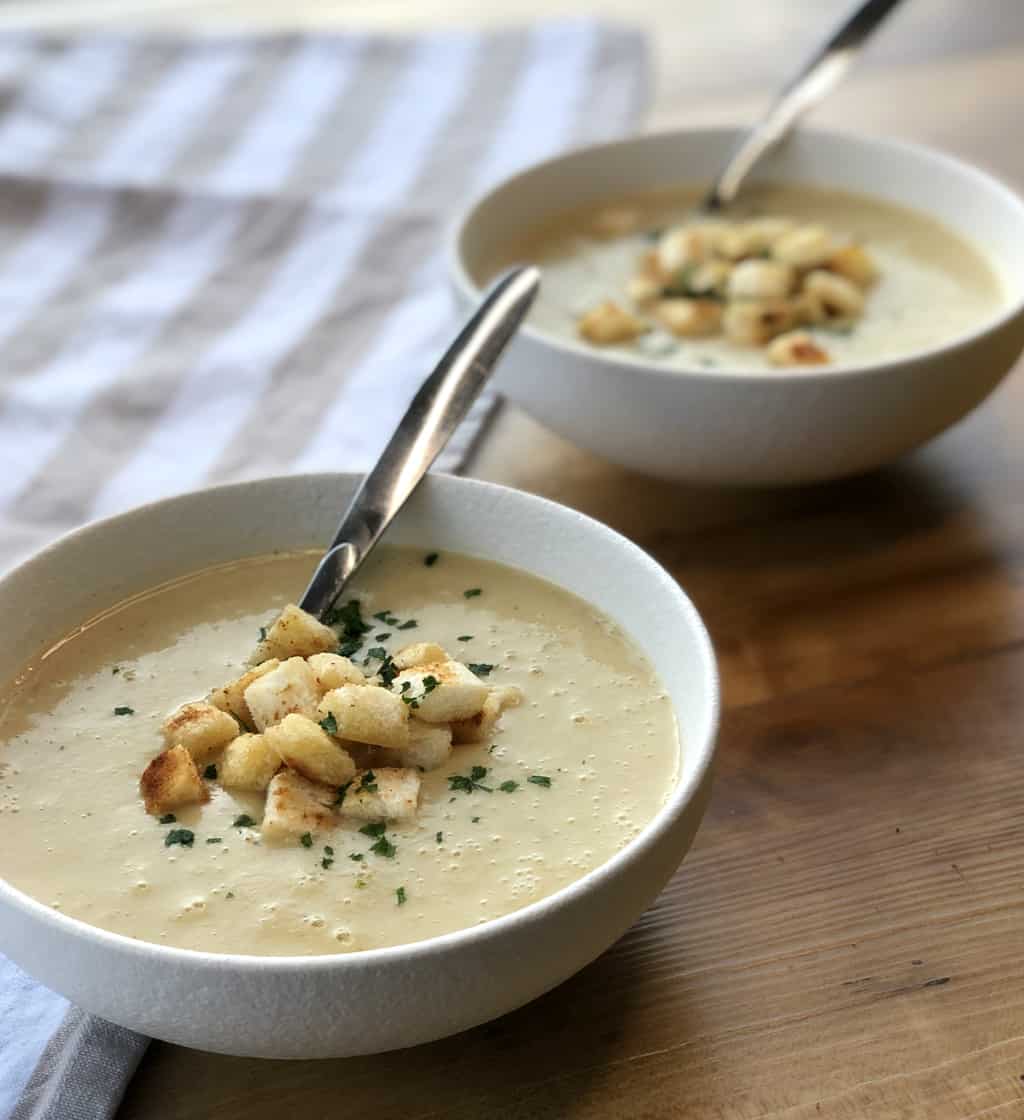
606	361
686	788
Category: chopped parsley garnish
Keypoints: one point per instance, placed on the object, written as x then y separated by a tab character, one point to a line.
244	821
116	669
326	863
368	783
306	840
465	637
329	724
376	653
470	782
210	773
481	668
509	786
472	592
431	559
357	856
400	895
183	836
475	820
387	672
328	850
213	840
429	684
124	710
539	779
353	626
168	818
438	837
381	637
263	633
384	847
378	828
410	624
339	799
230	894
387	618
350	648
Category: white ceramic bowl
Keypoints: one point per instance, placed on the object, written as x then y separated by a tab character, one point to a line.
329	1006
776	426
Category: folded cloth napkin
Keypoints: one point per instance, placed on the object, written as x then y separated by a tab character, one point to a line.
222	259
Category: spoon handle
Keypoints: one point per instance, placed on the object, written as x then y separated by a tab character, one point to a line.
436	411
809	85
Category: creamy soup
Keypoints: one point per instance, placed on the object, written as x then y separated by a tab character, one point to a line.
568	777
920	284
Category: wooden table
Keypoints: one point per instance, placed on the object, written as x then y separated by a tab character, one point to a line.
846	938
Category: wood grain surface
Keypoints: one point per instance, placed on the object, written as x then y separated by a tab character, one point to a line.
846	938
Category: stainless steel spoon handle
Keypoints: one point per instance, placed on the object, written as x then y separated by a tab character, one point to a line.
811	83
436	411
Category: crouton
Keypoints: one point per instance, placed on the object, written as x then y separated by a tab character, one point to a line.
441	691
201	729
429	747
170	780
852	262
296	805
367	714
796	348
306	747
387	794
480	728
331	670
689	318
608	323
291	687
419	653
295	633
248	762
231	698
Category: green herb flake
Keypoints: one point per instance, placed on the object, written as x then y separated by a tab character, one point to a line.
378	828
475	820
168	818
357	856
386	617
481	668
465	637
539	780
381	637
438	837
210	773
214	840
327	863
183	836
306	840
329	724
244	821
375	653
384	847
116	669
411	624
509	786
400	895
469	783
263	633
431	559
350	648
368	783
230	895
124	710
472	592
328	850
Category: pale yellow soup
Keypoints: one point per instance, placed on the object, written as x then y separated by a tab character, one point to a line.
933	285
595	720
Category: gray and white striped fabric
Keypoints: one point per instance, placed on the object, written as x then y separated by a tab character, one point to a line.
221	259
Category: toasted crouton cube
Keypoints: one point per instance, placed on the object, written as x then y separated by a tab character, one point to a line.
306	747
441	691
430	745
852	262
291	687
231	698
295	633
796	348
689	318
248	762
296	805
609	323
367	714
331	670
170	780
201	729
479	728
387	794
419	653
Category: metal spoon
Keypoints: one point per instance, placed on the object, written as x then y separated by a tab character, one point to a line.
436	411
812	82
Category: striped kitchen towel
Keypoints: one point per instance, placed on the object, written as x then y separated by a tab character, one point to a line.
221	259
